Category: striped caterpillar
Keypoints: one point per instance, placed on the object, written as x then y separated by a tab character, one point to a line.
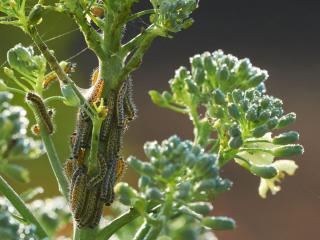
42	112
52	76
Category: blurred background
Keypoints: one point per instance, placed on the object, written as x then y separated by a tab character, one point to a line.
280	36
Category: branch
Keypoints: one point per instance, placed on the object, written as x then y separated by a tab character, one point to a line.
20	206
141	43
52	155
92	37
117	223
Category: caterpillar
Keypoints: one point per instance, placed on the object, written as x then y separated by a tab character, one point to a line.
35	129
129	106
69	168
67	67
78	192
102	171
41	109
120	104
121	166
91	208
106	124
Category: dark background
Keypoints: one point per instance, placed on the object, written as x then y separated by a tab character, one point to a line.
280	36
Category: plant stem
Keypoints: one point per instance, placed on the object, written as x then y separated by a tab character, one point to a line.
21	207
142	232
92	163
84	233
117	223
141	14
153	233
54	98
55	163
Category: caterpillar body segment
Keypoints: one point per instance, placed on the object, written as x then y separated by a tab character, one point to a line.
120	104
69	167
78	192
120	169
129	106
68	68
38	103
89	210
106	124
102	171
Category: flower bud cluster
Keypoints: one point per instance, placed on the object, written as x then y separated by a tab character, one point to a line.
15	142
179	174
173	16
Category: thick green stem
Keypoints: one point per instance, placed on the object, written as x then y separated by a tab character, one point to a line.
84	233
92	38
20	206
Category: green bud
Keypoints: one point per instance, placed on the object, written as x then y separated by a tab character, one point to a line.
183	190
205	185
223	74
167	96
260	131
35	15
202	208
257	79
264	115
169	170
157	98
235	142
223	185
3	86
218	223
288	150
233	111
143	182
125	193
264	171
286	120
71	97
210	67
219	97
154	194
152	149
244	67
188	211
141	167
286	138
237	95
212	172
190	160
272	123
252	114
188	23
234	130
203	165
244	104
192	87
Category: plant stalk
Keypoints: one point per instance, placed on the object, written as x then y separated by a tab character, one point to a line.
21	207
